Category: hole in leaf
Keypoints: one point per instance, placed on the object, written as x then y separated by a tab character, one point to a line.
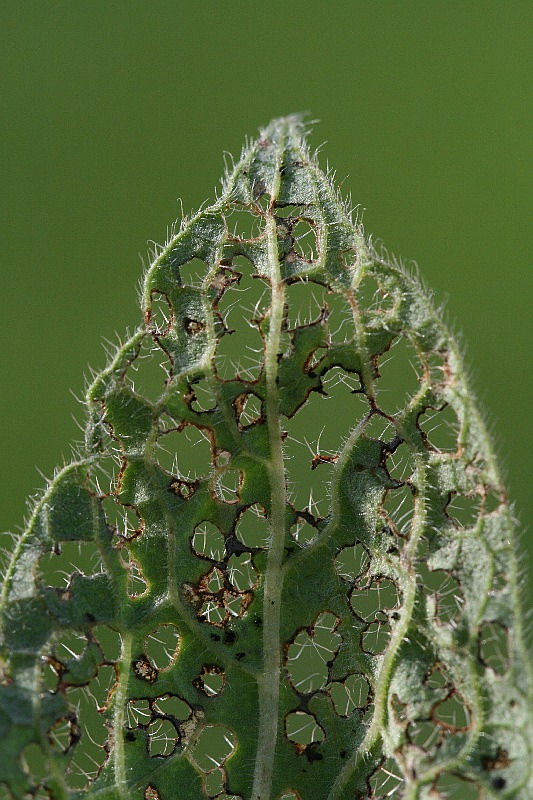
310	460
136	584
170	705
252	527
240	354
211	680
340	319
399	464
304	301
161	646
159	315
186	453
372	298
305	240
310	653
249	409
214	745
452	787
138	713
425	734
162	738
441	428
303	532
494	647
208	542
122	519
303	729
110	642
398	507
215	782
228	484
372	601
375	637
386	781
244	224
452	713
351	562
241	572
464	510
399	370
204	398
193	273
148	373
349	694
446	590
56	568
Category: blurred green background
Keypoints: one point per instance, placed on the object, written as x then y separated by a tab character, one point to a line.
112	110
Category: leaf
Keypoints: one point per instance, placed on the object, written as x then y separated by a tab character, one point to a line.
283	565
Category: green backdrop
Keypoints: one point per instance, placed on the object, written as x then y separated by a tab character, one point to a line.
112	109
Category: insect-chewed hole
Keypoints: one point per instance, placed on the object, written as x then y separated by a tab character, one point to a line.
341	328
441	428
244	223
102	474
399	376
123	520
311	652
446	591
386	781
136	583
159	314
252	527
303	532
349	694
148	373
193	273
109	640
185	452
162	738
452	787
203	396
208	542
249	410
375	637
424	733
372	602
400	464
305	240
89	753
68	645
310	462
214	784
63	734
351	562
170	705
211	680
493	500
56	568
228	484
371	297
282	212
161	646
494	646
379	427
452	713
138	713
398	508
304	301
241	572
464	510
303	729
214	745
243	304
436	678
